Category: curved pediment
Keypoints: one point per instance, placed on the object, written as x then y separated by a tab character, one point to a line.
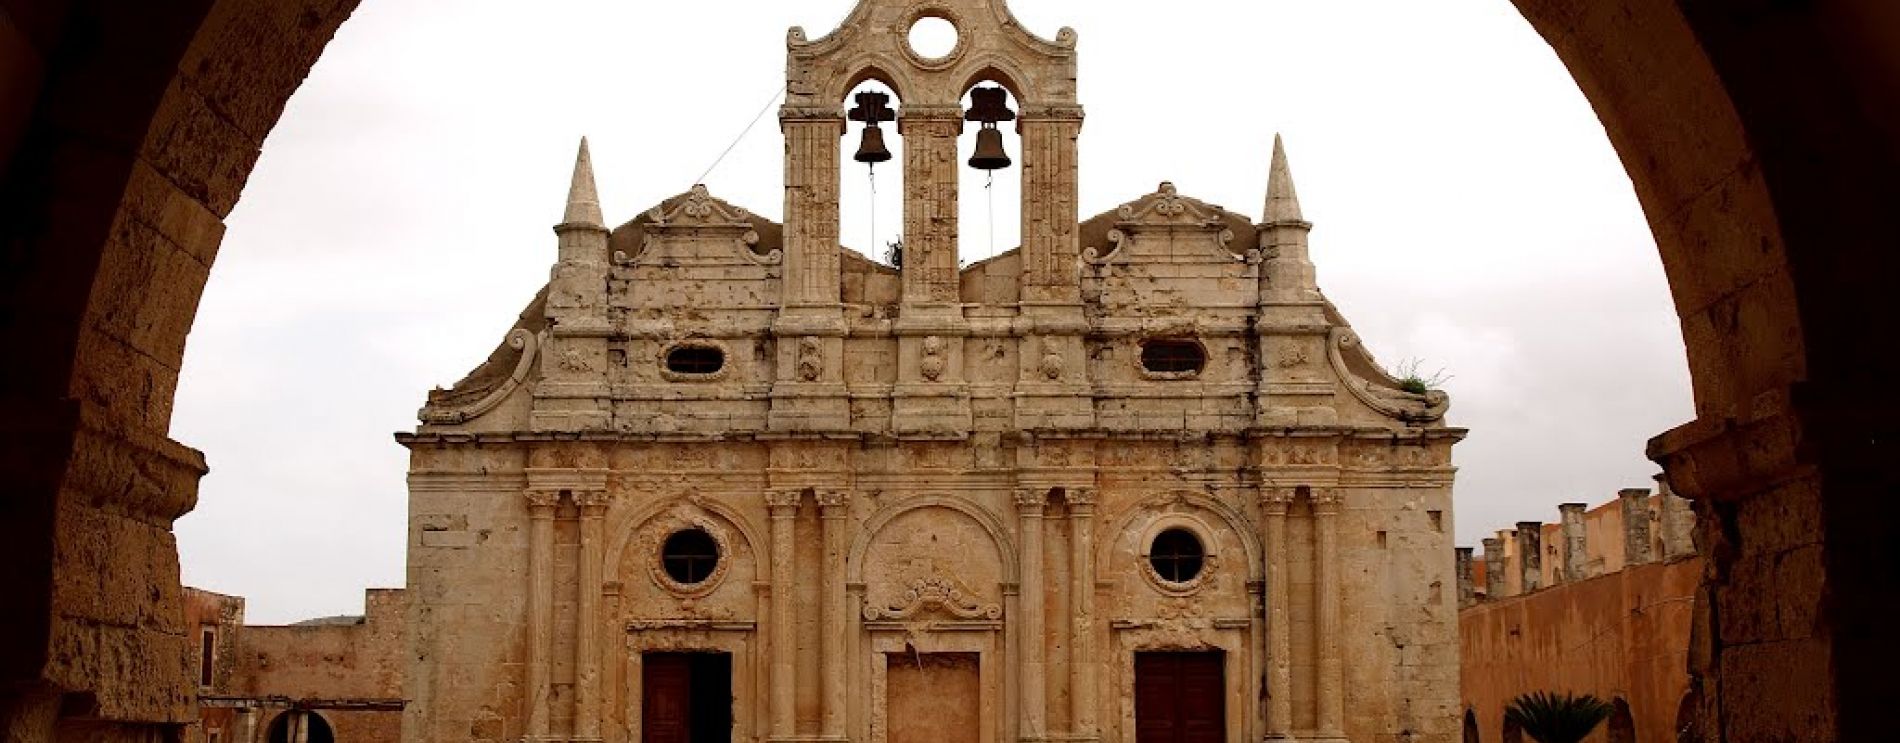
1166	226
872	42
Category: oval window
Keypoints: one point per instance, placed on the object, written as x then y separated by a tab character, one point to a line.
1177	555
695	360
1173	356
689	556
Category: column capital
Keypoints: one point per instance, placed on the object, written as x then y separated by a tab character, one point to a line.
1325	501
1041	112
833	504
1082	498
591	502
541	501
783	503
1274	500
1031	500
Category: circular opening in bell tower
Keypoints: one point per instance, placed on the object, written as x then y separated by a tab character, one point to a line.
932	37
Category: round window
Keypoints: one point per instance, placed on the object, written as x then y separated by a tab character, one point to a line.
932	38
1177	555
689	556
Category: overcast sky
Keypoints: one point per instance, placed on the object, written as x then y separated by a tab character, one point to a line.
1469	214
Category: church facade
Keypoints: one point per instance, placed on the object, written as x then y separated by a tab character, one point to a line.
1135	480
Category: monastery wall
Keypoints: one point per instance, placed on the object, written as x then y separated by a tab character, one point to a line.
1620	631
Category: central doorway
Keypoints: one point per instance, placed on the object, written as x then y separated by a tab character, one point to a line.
1180	697
934	697
687	698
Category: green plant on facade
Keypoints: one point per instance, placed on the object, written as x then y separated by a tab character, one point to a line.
1413	381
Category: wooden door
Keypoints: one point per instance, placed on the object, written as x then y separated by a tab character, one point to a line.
1180	698
666	707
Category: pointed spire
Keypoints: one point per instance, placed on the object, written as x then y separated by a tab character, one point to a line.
1283	203
583	201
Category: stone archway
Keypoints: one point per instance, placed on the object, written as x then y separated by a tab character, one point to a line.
1762	139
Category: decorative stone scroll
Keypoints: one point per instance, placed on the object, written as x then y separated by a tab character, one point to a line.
1377	389
1165	211
447	413
940	593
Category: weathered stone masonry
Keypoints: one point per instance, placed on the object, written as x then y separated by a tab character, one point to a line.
934	470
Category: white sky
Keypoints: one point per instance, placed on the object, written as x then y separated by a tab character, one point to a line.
1470	213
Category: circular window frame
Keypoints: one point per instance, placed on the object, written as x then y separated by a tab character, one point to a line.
1141	347
666	352
656	562
1210	557
941	13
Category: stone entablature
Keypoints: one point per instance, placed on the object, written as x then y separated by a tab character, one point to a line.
719	434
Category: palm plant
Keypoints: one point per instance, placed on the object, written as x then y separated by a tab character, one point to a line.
1556	719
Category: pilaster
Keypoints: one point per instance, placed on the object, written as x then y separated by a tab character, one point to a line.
782	506
834	510
541	504
1082	681
808	390
1279	692
587	682
1033	726
1330	696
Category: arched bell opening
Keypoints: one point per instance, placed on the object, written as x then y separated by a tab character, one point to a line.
989	201
871	173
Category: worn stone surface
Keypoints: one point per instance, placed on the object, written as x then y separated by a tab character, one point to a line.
931	477
347	671
1621	631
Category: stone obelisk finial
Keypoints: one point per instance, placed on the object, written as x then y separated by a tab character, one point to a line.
1283	203
583	201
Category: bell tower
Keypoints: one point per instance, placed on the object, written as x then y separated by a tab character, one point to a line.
930	393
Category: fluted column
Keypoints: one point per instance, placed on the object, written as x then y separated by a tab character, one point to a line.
930	202
1050	238
1273	506
1082	704
833	507
1331	692
587	685
783	505
541	505
1029	507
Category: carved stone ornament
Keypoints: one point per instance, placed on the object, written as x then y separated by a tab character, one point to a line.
831	499
1275	500
447	407
782	499
933	593
1377	389
933	363
652	540
542	499
811	359
1325	500
1164	211
1051	362
1083	496
591	499
1034	498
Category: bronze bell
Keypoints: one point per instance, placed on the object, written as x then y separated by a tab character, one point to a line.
989	149
989	105
871	147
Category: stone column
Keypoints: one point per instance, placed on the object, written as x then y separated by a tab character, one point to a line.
299	725
1082	700
1029	694
1467	591
1530	555
1050	241
587	683
1636	547
833	508
1331	692
1678	522
783	505
811	204
541	505
1576	554
930	202
1273	505
1493	568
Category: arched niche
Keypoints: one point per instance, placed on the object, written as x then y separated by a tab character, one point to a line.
634	559
932	542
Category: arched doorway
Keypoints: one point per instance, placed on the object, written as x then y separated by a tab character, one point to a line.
1621	727
1763	162
299	726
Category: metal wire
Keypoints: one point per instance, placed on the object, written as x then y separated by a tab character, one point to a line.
779	91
